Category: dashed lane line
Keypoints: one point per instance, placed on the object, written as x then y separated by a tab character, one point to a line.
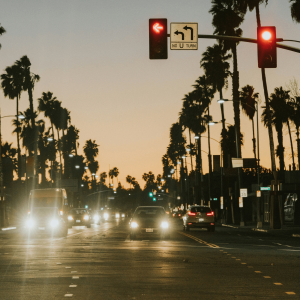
199	240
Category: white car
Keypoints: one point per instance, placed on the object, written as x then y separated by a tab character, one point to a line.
199	217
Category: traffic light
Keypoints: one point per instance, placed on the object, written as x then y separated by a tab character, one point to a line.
158	41
150	194
266	47
154	199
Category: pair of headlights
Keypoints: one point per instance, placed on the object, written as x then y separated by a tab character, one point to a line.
163	225
86	218
30	223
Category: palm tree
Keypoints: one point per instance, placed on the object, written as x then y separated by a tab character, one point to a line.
227	17
12	85
279	115
129	180
295	10
295	118
216	67
243	6
114	172
248	100
91	150
2	30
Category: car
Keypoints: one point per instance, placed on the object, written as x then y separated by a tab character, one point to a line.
199	216
46	220
177	214
79	217
96	216
150	220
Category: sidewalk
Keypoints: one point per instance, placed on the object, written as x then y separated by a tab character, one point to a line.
287	230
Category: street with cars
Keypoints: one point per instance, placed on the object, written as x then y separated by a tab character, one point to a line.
104	262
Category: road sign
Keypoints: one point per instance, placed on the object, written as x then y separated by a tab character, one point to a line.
243	193
258	193
265	188
184	36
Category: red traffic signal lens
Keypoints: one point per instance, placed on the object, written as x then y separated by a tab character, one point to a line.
266	35
157	27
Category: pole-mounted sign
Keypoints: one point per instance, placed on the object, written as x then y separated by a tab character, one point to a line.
184	36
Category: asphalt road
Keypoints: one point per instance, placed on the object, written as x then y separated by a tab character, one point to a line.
103	263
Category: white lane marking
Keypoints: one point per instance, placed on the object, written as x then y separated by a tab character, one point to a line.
73	285
73	271
243	263
68	295
257	271
291	250
9	228
261	239
277	283
250	267
290	293
238	259
267	276
277	244
75	277
68	267
288	246
58	263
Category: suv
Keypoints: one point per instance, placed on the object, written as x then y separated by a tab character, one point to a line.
199	217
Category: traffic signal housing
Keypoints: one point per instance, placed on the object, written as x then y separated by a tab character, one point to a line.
158	39
266	47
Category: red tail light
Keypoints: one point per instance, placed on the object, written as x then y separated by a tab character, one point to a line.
192	214
210	213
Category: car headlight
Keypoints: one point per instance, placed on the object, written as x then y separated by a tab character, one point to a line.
134	225
123	215
106	216
54	223
70	218
86	217
96	218
164	225
117	215
30	223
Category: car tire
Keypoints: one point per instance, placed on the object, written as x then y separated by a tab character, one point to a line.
183	228
187	228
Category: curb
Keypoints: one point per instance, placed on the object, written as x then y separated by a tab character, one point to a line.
261	230
225	225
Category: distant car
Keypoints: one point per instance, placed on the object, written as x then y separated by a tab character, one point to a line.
150	220
46	220
199	217
96	216
79	217
176	214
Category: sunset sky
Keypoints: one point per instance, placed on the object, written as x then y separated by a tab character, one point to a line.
94	56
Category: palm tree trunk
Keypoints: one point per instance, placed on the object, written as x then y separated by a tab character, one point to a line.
223	129
280	149
292	147
18	139
254	141
191	155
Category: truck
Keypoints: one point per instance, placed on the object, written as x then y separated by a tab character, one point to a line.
47	210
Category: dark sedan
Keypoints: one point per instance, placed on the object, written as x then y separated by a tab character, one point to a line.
79	217
150	220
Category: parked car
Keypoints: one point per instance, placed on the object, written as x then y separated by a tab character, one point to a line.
199	217
79	217
150	220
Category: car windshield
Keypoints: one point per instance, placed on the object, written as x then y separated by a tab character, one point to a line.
149	212
200	209
78	211
45	212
